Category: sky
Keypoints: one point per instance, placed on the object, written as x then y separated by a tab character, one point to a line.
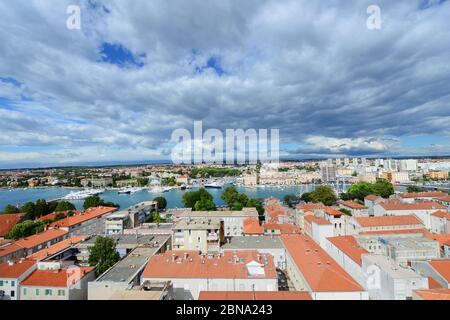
115	89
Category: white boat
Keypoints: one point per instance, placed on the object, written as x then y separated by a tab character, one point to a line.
83	194
214	185
129	190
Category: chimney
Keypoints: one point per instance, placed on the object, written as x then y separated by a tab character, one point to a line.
173	257
10	263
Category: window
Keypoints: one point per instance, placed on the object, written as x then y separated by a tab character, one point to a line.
24	291
48	292
37	292
13	283
12	294
61	293
1	283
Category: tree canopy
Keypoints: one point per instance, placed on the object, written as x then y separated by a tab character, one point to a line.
162	202
64	206
103	254
96	201
25	229
202	196
322	194
381	187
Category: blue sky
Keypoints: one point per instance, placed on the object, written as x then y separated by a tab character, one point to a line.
116	89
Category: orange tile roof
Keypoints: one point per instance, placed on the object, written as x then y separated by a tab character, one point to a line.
40	238
52	215
16	270
349	246
251	226
89	214
8	221
332	212
442	238
9	249
353	205
431	194
168	266
254	295
402	231
53	278
285	228
57	247
425	205
372	197
436	294
433	284
273	211
317	220
442	267
444	198
320	271
384	221
441	214
310	206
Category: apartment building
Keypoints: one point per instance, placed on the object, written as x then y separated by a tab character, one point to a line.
233	221
356	209
411	197
11	275
200	234
422	210
319	229
191	272
311	269
440	222
116	223
367	225
55	280
385	280
437	269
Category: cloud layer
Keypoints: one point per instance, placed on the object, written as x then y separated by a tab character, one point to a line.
137	70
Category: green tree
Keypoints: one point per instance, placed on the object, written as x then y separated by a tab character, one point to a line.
29	208
10	209
91	202
64	206
205	204
360	190
191	198
155	217
323	194
103	254
306	197
142	181
230	195
25	229
162	202
290	200
414	189
383	188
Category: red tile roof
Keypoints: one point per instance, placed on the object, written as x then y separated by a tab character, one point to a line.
172	264
320	271
273	211
317	220
309	206
285	228
16	270
372	197
349	246
54	278
254	295
425	205
89	214
252	226
353	205
442	238
442	267
8	221
40	238
52	215
431	194
57	247
384	221
402	231
433	284
436	294
441	214
9	249
332	212
444	198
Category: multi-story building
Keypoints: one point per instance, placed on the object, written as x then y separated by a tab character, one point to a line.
11	274
311	269
367	225
385	280
437	269
440	222
200	234
55	280
318	229
356	209
97	182
191	272
117	222
233	221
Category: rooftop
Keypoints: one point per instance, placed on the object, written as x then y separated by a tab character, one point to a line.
435	294
319	270
353	205
317	220
349	246
252	226
430	194
332	212
246	212
253	243
425	205
40	238
372	197
82	216
191	264
309	206
442	267
285	228
56	248
8	221
390	267
197	224
15	269
254	295
130	241
55	278
441	214
388	221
